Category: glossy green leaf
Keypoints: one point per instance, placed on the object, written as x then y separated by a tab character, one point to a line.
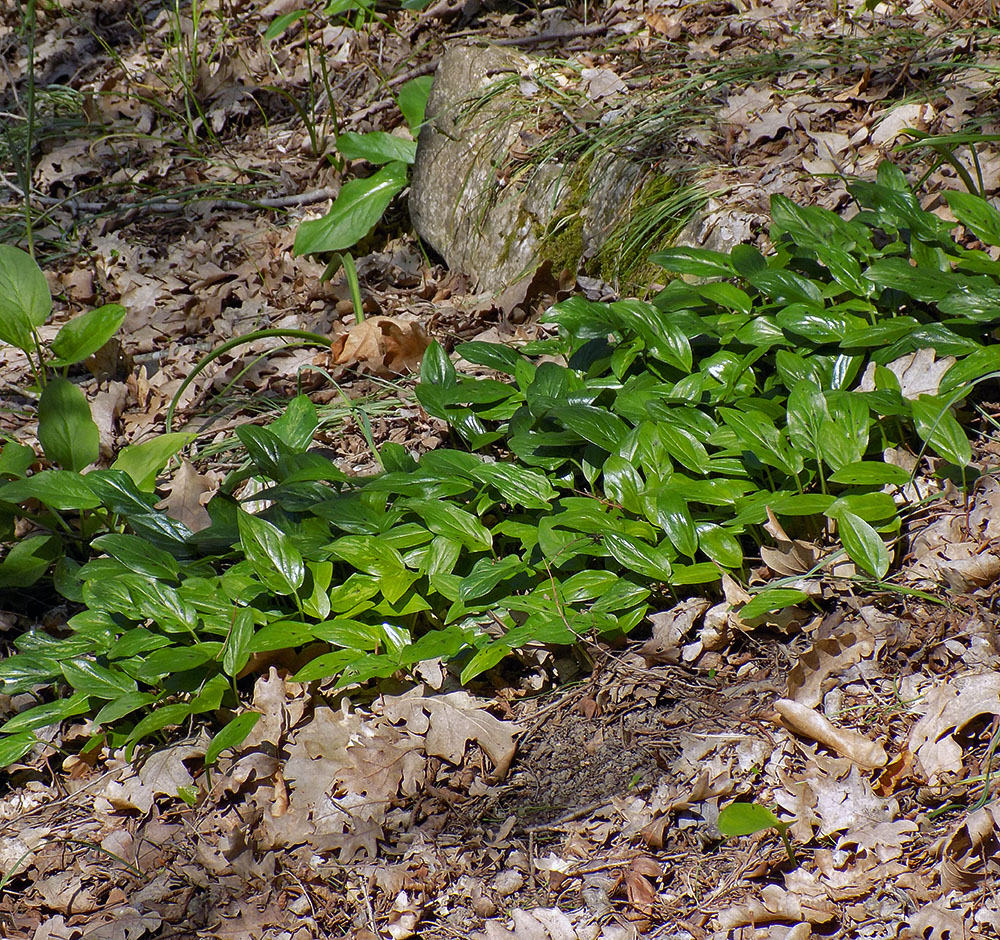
49	713
138	555
744	819
232	735
356	210
236	649
976	214
25	301
86	333
376	147
58	489
412	100
486	574
938	427
66	429
13	747
720	545
639	556
277	562
671	514
767	602
449	520
863	544
91	678
700	262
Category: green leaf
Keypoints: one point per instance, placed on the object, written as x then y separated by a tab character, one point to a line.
593	424
412	100
57	489
14	747
370	554
672	515
50	713
720	545
297	424
863	544
124	705
518	485
25	301
436	368
744	819
919	283
138	555
937	426
236	649
85	334
976	214
699	262
275	560
446	519
143	462
28	559
638	556
769	601
66	430
280	23
486	574
357	209
376	147
870	473
232	736
90	678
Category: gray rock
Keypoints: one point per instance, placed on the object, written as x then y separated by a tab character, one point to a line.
484	226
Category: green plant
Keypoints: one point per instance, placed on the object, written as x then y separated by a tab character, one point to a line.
744	819
361	203
638	453
66	430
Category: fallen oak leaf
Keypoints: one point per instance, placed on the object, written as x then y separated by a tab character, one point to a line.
386	346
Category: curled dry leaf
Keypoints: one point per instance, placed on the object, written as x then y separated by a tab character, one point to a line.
386	346
828	657
670	627
968	854
811	724
188	493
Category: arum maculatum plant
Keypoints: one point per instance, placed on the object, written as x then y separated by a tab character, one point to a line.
637	453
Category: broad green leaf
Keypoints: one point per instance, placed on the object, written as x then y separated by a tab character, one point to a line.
436	368
356	210
412	100
328	666
297	424
622	483
13	747
276	561
447	519
699	262
863	544
671	513
720	545
236	649
171	660
786	287
28	559
25	301
138	555
744	819
23	671
232	736
66	429
976	214
769	601
119	493
50	713
164	717
919	283
57	489
370	554
85	334
144	462
484	659
517	485
486	574
870	473
638	556
124	705
593	424
938	427
90	678
16	459
376	147
684	447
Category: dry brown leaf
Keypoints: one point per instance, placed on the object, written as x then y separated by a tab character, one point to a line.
386	346
189	491
539	924
827	657
856	747
450	722
670	627
968	854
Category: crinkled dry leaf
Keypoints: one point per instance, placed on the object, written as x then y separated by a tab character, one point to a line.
856	747
948	708
540	924
670	627
163	772
827	658
450	722
188	493
968	854
386	346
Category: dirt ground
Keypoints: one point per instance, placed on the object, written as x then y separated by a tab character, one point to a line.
178	151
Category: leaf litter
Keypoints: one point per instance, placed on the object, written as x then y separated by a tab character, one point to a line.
512	810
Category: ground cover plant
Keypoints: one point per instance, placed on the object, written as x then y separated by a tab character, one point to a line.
640	451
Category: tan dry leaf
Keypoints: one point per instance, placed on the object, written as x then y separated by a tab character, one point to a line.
948	708
539	924
967	854
386	346
934	921
855	747
827	658
106	407
449	722
670	627
163	772
189	491
919	373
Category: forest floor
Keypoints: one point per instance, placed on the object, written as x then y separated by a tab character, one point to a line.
178	151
